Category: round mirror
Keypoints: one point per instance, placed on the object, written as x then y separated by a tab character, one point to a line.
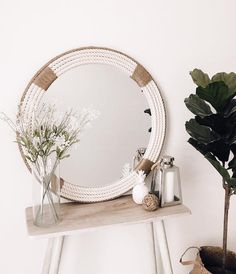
121	90
114	137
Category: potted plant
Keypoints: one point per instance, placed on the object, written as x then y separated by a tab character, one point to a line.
213	133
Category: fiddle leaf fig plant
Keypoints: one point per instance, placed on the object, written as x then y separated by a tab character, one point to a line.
212	130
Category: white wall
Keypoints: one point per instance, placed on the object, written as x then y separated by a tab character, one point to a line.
169	38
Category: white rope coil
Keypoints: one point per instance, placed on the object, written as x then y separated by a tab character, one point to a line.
67	61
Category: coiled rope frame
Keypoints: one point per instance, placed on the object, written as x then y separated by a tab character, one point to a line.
97	55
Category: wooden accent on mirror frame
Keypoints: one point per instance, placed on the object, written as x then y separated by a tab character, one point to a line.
59	65
141	76
45	78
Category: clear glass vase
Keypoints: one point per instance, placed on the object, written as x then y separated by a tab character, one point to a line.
46	194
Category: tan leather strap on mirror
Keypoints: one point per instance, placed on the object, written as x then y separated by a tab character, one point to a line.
144	165
45	78
141	76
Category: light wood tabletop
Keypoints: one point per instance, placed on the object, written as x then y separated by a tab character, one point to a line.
121	211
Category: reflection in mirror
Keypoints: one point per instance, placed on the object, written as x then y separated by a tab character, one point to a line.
121	128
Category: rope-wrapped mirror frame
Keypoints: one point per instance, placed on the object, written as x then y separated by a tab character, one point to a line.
97	55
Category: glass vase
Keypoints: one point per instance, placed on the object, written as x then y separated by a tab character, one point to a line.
46	194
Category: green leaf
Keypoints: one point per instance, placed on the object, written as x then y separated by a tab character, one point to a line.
232	164
201	133
198	146
217	123
232	140
228	78
220	149
230	109
211	158
232	183
217	94
200	78
27	157
58	151
216	164
66	156
197	106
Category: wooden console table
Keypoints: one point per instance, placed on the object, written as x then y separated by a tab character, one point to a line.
121	211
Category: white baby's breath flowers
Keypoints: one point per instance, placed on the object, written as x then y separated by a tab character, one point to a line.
87	115
48	132
45	136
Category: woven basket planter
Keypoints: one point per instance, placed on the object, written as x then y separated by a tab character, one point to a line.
209	261
212	259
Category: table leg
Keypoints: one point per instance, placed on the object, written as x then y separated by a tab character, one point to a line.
156	251
53	255
161	249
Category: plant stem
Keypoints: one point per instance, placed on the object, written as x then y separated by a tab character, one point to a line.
47	187
225	230
45	184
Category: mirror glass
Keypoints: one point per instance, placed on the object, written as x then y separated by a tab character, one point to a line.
113	138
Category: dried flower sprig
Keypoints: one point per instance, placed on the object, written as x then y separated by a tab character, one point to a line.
46	137
48	131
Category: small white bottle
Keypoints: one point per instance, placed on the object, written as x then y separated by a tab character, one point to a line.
140	190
